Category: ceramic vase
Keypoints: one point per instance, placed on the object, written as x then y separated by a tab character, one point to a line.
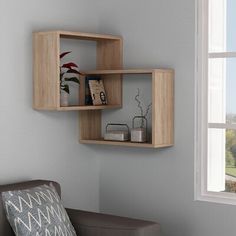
64	99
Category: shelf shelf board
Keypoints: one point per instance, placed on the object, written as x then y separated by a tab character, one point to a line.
82	35
81	108
91	107
127	144
130	71
109	55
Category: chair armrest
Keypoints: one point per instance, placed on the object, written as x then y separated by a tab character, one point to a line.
96	224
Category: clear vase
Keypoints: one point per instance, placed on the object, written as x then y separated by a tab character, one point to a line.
64	99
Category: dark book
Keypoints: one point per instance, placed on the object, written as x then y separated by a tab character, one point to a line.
97	91
88	98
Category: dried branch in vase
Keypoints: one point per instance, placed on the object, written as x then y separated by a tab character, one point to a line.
142	113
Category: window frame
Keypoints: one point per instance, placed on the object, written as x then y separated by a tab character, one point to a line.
201	108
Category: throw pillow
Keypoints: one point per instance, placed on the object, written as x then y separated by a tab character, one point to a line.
37	212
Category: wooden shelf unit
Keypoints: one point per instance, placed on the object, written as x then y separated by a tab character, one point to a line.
162	110
125	71
85	108
126	144
47	73
109	67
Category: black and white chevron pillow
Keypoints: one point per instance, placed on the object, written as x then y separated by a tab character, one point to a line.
37	212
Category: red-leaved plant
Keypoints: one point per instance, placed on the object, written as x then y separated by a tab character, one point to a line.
65	70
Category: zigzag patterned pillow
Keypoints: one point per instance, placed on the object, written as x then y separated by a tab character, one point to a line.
37	212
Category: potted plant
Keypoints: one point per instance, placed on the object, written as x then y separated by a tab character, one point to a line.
65	76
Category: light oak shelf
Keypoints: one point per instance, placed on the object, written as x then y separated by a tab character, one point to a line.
125	71
83	108
162	132
47	68
80	35
127	144
109	51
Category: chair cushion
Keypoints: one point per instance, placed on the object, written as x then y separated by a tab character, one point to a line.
97	224
5	228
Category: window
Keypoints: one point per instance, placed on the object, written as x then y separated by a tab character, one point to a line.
215	140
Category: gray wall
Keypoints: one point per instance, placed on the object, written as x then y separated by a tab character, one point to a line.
159	184
150	184
37	144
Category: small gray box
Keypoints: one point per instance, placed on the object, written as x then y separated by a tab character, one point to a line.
117	135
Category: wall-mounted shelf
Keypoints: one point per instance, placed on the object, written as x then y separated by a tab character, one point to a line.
47	63
86	108
162	110
126	144
125	72
109	68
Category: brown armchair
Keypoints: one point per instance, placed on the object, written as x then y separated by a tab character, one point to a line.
86	223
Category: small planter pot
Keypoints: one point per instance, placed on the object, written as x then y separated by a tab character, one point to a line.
64	97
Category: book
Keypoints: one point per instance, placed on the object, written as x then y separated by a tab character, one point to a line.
88	98
97	91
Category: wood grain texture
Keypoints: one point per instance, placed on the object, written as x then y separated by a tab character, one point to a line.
125	71
162	108
81	35
90	124
113	88
110	67
47	62
109	56
91	107
82	90
115	143
46	71
83	108
125	144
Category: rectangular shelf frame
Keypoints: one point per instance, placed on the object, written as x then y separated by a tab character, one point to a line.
109	66
46	47
162	109
126	144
